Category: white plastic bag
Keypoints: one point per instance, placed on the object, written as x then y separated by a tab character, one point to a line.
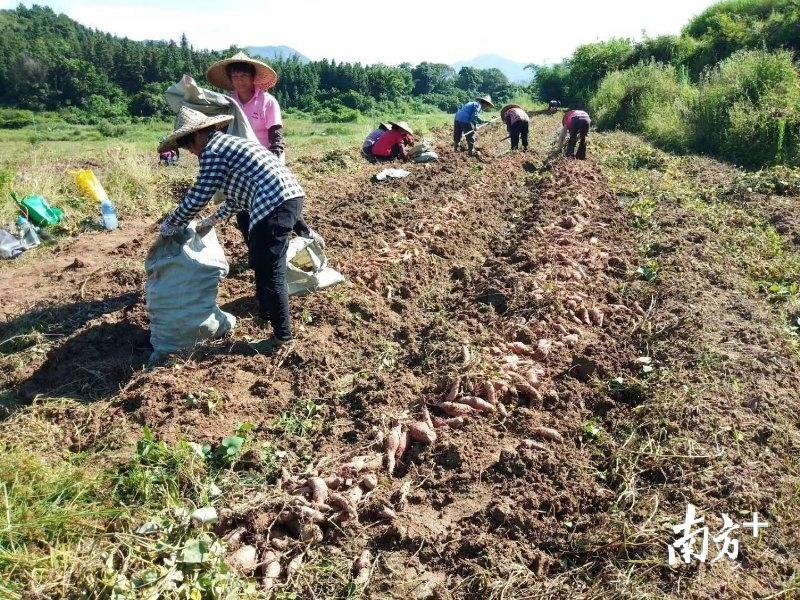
183	275
307	267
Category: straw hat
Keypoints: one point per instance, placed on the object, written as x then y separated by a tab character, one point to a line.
487	98
402	125
189	121
386	125
507	108
266	77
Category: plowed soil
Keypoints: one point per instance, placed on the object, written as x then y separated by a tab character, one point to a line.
444	269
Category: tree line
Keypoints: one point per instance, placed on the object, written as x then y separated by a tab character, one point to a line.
50	62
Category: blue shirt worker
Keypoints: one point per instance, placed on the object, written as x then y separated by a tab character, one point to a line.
466	121
253	179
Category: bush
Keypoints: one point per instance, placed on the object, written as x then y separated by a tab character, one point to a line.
336	113
15	119
651	99
748	110
108	129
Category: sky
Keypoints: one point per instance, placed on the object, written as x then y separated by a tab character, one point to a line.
360	30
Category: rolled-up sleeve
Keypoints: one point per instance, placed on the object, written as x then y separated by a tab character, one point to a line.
213	170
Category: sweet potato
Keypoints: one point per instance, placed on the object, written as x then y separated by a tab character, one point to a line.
319	489
369	482
584	315
334	482
426	417
489	392
528	391
457	409
308	513
386	514
420	432
532	445
561	329
243	560
390	445
310	533
501	410
295	564
403	444
453	392
272	570
596	316
361	567
478	404
571	340
519	348
279	543
548	434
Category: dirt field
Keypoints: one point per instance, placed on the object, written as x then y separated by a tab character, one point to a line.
623	310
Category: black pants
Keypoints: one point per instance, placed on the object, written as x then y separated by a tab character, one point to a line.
243	222
267	243
516	131
465	129
578	130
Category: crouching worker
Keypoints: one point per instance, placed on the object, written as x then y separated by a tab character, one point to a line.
366	147
576	124
392	144
517	123
466	121
253	179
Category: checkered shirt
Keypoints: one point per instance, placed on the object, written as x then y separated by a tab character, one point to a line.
251	177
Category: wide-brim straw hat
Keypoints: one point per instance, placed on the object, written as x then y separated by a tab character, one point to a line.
386	125
188	121
265	78
487	98
402	125
507	108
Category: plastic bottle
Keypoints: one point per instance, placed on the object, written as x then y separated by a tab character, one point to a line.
27	233
109	215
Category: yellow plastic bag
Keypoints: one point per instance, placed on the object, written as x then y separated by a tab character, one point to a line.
89	185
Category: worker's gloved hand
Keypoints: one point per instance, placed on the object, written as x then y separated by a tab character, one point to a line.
317	238
168	229
204	226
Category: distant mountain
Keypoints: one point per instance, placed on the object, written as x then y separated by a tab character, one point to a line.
515	71
273	52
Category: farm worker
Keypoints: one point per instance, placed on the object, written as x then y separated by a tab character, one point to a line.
374	137
392	144
575	123
554	106
467	118
249	79
252	179
517	123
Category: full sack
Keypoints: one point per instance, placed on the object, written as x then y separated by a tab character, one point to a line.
183	275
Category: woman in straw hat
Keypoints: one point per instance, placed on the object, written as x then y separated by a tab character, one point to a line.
576	124
254	180
467	120
374	136
249	79
517	123
392	144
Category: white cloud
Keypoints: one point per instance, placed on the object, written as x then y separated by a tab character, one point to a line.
369	31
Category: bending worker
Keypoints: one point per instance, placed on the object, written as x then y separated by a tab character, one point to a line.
467	119
517	123
576	123
392	144
252	179
374	136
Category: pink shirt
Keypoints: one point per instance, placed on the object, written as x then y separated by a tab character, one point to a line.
263	112
516	114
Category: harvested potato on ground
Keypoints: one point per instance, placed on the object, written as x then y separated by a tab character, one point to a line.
420	432
478	404
244	560
457	409
548	434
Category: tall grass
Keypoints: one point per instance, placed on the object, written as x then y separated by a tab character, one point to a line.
748	109
651	99
745	110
